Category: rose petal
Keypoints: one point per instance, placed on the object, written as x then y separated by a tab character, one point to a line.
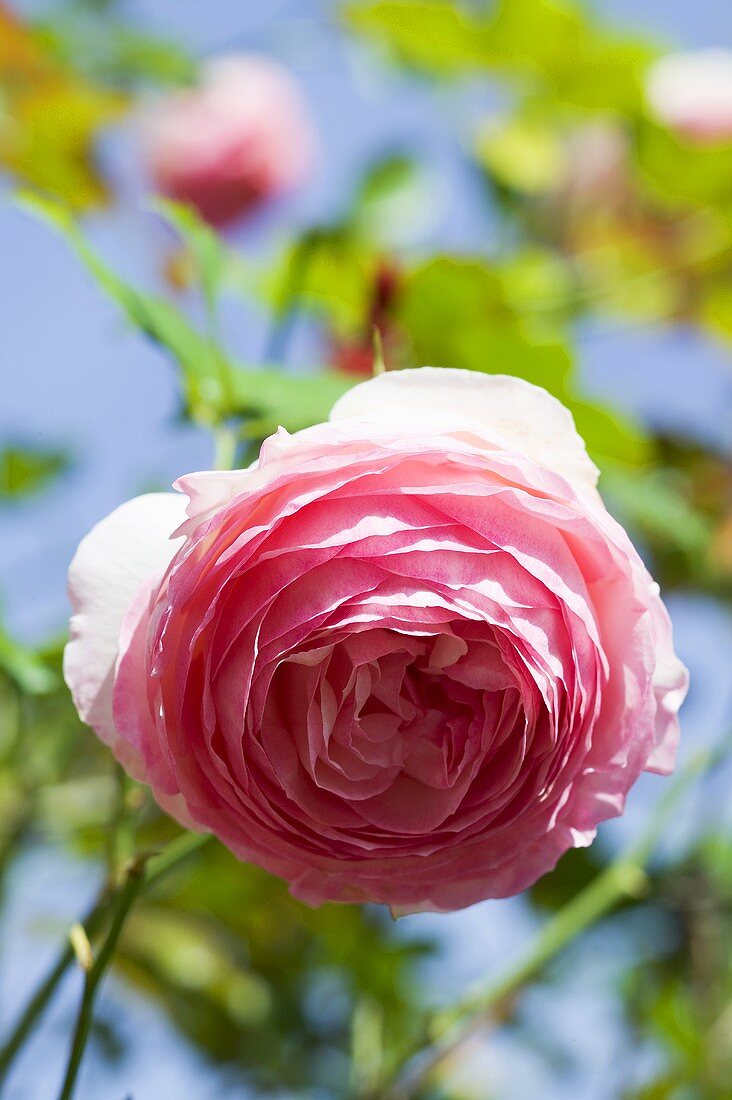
525	417
116	557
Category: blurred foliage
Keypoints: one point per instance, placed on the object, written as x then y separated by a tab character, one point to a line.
576	162
600	211
214	387
259	981
110	51
680	1000
49	117
26	470
556	46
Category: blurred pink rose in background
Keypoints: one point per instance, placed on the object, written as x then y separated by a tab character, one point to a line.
240	137
691	93
407	657
596	164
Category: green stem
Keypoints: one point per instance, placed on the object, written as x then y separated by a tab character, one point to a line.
126	896
42	996
226	441
139	874
448	1029
172	857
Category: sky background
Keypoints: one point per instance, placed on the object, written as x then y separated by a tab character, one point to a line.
72	375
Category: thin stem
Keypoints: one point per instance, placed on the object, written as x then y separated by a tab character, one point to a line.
126	896
626	878
226	441
42	996
172	857
121	832
139	874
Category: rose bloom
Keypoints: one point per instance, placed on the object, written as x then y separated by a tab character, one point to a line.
406	657
597	164
240	137
691	93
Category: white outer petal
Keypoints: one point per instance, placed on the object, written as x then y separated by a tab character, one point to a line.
132	545
524	417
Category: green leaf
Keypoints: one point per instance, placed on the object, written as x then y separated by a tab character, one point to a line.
25	667
551	46
108	51
275	399
680	172
654	504
431	35
337	279
383	177
610	435
214	386
27	470
523	154
204	244
204	366
717	309
583	64
392	199
464	313
457	314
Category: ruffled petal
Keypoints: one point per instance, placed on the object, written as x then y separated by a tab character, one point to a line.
130	546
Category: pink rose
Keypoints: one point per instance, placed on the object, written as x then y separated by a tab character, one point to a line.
691	93
407	657
241	137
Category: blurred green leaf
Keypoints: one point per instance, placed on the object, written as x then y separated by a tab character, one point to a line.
393	200
27	470
50	117
522	153
576	869
584	64
384	177
290	400
262	982
465	313
610	435
653	504
154	317
206	247
111	52
550	42
337	281
716	309
214	386
459	307
680	172
433	35
25	667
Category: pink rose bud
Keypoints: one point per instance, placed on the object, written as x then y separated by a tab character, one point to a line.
240	137
407	657
597	164
691	93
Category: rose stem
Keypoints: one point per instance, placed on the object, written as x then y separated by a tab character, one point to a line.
156	868
226	441
124	900
46	989
625	878
139	873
